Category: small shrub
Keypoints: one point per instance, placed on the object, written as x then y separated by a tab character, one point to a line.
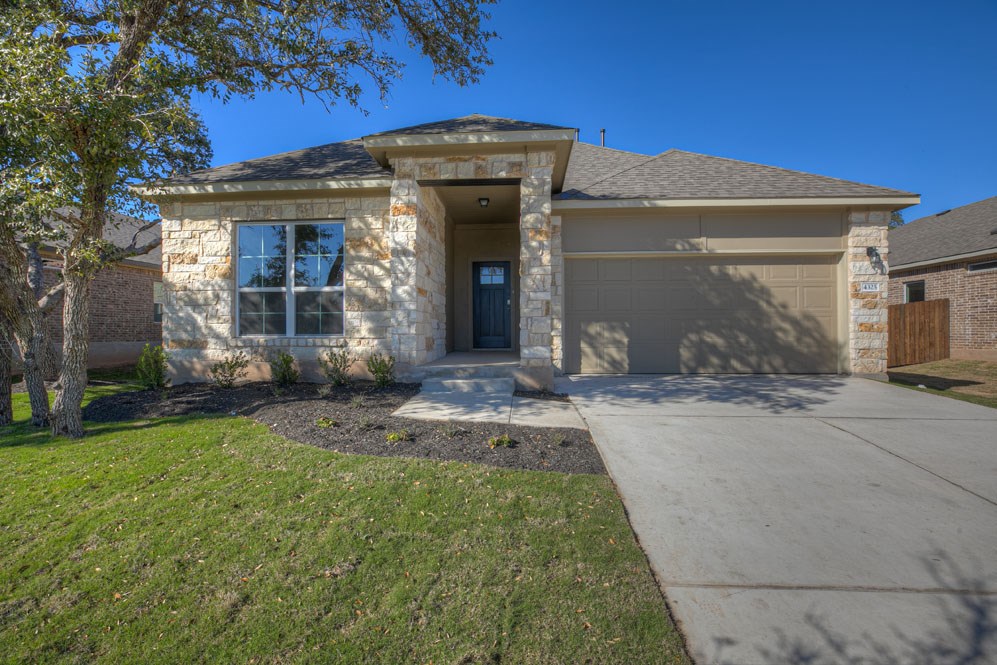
452	430
357	402
399	436
283	370
151	369
324	390
230	369
336	366
501	441
325	422
365	423
383	369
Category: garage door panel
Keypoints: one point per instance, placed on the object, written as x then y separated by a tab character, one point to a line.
614	270
577	270
709	315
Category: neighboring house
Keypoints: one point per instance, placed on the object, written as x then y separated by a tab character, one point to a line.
481	233
126	299
952	255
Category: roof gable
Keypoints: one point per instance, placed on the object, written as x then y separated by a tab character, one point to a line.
471	124
953	232
676	174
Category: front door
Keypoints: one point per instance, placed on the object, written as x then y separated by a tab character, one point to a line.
492	305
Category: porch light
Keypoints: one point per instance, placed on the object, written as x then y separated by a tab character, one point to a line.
483	202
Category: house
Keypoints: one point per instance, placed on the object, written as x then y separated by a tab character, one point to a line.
440	242
952	255
126	299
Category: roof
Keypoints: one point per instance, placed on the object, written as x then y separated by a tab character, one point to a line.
677	174
593	172
965	230
121	231
472	124
347	159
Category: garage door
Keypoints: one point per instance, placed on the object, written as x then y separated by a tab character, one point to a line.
700	315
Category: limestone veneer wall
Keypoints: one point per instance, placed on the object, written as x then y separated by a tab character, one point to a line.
199	280
867	311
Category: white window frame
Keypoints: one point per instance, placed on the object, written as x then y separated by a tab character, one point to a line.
924	287
288	289
973	269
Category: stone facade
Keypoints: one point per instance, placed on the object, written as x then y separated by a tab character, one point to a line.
972	303
199	280
867	310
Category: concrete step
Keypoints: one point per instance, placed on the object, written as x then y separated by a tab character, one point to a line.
493	385
503	371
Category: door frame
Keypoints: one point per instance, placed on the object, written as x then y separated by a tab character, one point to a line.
476	264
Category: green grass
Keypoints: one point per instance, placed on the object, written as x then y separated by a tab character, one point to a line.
212	540
972	381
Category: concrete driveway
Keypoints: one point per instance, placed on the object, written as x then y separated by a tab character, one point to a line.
808	519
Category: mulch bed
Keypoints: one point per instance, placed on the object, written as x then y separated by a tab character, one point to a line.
357	419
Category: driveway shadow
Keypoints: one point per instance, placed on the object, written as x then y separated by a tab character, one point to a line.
774	394
965	632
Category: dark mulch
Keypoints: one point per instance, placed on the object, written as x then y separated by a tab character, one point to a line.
358	419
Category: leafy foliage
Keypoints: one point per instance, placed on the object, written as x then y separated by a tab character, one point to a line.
152	368
398	437
336	366
382	368
500	441
896	219
324	422
283	369
229	369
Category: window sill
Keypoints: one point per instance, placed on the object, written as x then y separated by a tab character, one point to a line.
321	340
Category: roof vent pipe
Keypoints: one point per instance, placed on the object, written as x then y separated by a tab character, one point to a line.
602	137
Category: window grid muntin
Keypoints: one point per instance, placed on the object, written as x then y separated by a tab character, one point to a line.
289	278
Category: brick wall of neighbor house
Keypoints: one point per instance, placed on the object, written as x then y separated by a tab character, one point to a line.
972	303
199	280
867	335
121	307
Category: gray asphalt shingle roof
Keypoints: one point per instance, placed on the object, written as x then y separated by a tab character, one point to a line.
332	160
964	230
120	231
593	172
676	174
471	124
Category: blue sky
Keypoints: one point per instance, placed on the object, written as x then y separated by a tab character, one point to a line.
899	94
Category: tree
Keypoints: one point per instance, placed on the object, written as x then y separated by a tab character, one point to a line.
896	219
102	91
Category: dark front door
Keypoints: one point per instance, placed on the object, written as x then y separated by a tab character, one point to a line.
492	305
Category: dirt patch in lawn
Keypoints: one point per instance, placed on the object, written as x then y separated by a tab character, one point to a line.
357	419
972	378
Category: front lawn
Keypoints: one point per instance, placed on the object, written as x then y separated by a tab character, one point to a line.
211	540
969	380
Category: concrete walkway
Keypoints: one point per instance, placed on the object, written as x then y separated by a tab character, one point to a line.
808	519
491	407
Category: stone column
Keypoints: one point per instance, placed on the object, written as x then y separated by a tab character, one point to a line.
867	291
535	307
557	297
416	239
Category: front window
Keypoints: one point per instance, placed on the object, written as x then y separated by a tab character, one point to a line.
914	292
290	279
157	302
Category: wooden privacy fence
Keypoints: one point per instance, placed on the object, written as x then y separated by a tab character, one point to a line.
918	332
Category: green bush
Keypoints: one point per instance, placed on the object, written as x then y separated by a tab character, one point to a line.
398	437
230	369
283	369
501	441
336	366
325	422
382	368
151	369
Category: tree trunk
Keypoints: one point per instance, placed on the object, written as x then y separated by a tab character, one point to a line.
67	412
32	344
6	365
